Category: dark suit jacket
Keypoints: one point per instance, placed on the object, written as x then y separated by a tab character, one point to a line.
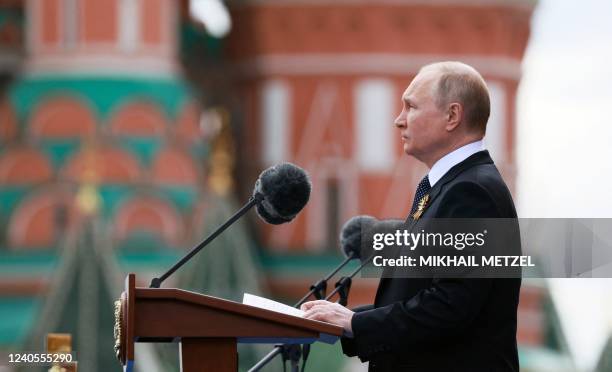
434	324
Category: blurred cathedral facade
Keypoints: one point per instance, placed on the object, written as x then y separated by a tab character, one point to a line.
128	134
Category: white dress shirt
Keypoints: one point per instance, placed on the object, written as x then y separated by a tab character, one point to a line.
439	169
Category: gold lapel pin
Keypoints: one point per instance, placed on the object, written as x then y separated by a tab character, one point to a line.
421	207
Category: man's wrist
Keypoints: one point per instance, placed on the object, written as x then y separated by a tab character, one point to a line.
348	330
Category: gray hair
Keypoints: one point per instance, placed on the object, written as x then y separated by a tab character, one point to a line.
461	83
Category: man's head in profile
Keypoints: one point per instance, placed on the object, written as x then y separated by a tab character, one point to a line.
445	107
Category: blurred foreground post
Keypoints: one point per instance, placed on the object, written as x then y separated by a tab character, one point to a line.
60	343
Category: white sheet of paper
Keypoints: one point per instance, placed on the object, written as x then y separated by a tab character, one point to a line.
266	303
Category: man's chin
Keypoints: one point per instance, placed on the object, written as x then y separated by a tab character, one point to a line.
408	150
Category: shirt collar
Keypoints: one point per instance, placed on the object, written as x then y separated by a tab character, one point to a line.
439	169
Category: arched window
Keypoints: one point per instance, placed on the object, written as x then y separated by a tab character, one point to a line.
62	118
172	166
40	220
104	164
138	119
24	166
148	216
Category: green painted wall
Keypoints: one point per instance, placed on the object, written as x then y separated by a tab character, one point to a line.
102	94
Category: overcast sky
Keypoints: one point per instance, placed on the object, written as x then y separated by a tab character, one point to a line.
565	100
565	146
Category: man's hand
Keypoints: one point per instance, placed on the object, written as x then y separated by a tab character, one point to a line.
329	312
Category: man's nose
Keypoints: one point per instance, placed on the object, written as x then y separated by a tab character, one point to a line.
400	121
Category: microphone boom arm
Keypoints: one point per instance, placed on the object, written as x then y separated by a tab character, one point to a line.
318	288
345	281
253	201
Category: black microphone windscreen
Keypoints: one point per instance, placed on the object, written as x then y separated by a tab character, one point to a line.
285	189
351	233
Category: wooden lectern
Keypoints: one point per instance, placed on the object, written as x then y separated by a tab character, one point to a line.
208	328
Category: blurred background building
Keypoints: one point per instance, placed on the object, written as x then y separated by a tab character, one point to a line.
132	128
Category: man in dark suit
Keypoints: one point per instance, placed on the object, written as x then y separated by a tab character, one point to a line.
440	324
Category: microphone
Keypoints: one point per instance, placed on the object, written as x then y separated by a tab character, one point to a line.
351	236
285	189
280	193
351	233
365	227
350	244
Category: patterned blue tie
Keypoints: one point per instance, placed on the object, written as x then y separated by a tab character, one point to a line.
421	191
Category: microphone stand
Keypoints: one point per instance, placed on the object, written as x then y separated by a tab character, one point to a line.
318	290
342	286
253	201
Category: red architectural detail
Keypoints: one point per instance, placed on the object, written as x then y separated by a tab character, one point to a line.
40	220
151	22
380	27
328	118
24	166
173	166
62	118
531	326
149	214
508	168
10	35
99	20
188	123
51	16
8	122
110	36
102	164
141	119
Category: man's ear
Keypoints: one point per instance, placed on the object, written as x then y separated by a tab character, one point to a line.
454	116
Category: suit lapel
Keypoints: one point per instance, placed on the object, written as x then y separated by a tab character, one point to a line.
481	157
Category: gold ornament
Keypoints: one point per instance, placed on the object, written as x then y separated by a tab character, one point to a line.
421	207
117	331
